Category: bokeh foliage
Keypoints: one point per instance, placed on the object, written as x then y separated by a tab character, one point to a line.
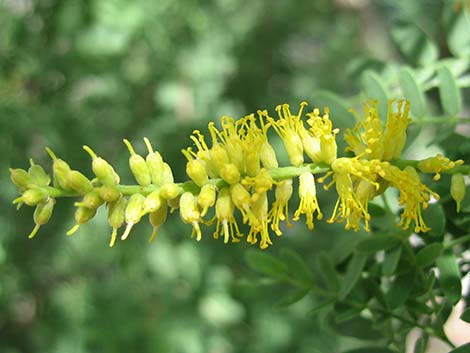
93	72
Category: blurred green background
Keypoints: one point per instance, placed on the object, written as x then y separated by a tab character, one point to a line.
95	71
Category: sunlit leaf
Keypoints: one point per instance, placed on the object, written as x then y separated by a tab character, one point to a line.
449	92
413	92
374	87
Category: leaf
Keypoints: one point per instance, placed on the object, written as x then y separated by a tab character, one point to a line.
413	92
353	273
392	257
413	43
369	350
339	113
421	344
347	314
357	327
400	290
376	210
328	272
374	88
449	92
449	277
265	263
435	219
466	315
457	37
376	243
462	349
427	255
292	298
321	306
297	266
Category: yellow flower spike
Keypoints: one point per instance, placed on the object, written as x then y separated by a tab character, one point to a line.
203	152
230	174
190	214
242	199
133	213
138	166
42	215
367	136
153	201
437	165
206	198
116	215
157	218
260	183
395	129
60	170
457	189
322	129
32	197
231	140
169	191
82	215
226	223
167	174
280	208
154	163
308	199
267	155
260	211
287	128
109	193
102	169
219	158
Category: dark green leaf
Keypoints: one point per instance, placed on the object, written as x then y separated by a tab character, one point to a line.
421	344
466	315
462	349
414	44
400	290
265	263
449	277
435	219
374	87
327	271
391	259
353	273
369	350
321	306
449	92
297	266
292	297
376	243
427	255
348	314
413	92
376	210
357	327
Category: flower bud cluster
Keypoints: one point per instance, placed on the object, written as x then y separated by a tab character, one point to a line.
235	175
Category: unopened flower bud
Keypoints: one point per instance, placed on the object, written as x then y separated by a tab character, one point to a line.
91	200
42	215
102	169
268	156
196	170
167	174
154	163
20	178
138	166
38	175
218	157
153	201
116	217
206	198
230	174
157	218
82	215
328	149
294	148
79	182
34	196
189	213
169	191
133	212
457	189
60	170
109	193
